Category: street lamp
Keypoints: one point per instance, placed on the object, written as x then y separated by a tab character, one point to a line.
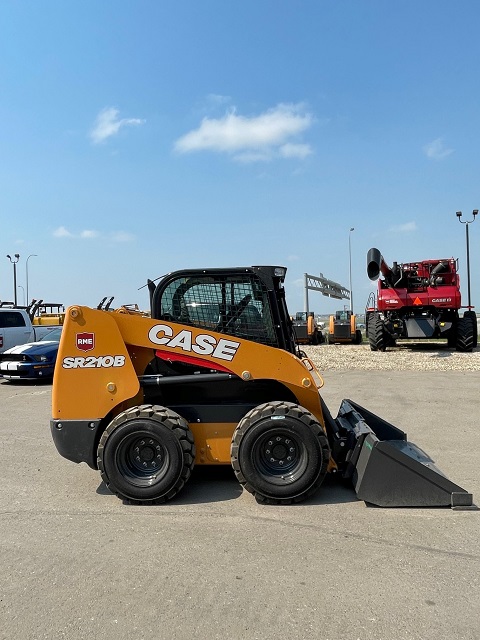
466	223
14	262
26	270
350	266
23	292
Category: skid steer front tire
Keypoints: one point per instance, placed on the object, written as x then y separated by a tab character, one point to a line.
280	453
146	454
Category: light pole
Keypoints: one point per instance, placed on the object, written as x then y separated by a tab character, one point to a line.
466	223
23	292
14	262
26	270
350	266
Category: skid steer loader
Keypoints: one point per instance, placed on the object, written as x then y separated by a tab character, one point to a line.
214	377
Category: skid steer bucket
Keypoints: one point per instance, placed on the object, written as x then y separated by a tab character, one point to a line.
387	470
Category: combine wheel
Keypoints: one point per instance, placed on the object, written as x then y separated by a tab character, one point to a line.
146	454
376	333
358	337
280	453
473	316
465	334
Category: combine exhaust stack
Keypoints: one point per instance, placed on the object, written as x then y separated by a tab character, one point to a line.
388	471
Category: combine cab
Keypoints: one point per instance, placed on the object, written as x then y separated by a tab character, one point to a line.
417	301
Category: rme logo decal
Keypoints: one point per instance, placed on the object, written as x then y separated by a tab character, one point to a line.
93	362
204	344
85	341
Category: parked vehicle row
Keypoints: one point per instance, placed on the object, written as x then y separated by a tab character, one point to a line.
33	360
17	327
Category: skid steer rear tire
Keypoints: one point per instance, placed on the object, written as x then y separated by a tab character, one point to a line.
280	453
146	454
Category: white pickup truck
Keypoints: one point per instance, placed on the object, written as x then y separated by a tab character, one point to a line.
16	327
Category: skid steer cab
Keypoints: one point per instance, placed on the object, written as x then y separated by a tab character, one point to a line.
214	377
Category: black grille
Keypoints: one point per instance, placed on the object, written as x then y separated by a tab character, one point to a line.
15	357
342	331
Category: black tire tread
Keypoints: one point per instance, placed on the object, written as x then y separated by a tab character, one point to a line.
179	428
465	335
268	409
473	316
376	333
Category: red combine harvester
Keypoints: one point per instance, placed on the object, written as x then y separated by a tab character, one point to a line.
417	301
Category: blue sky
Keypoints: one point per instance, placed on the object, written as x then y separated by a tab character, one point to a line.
141	137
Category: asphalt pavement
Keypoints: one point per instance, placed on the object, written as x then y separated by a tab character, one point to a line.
77	563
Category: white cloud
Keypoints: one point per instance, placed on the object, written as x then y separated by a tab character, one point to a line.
62	232
252	139
91	234
248	157
290	150
109	124
88	233
404	228
121	236
436	150
215	99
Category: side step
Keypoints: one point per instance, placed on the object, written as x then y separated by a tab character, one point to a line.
388	471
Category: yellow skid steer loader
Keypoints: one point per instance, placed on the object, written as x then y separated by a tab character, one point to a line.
214	377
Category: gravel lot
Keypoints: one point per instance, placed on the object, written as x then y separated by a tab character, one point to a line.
424	357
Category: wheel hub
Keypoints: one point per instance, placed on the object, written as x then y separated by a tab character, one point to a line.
279	452
147	454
